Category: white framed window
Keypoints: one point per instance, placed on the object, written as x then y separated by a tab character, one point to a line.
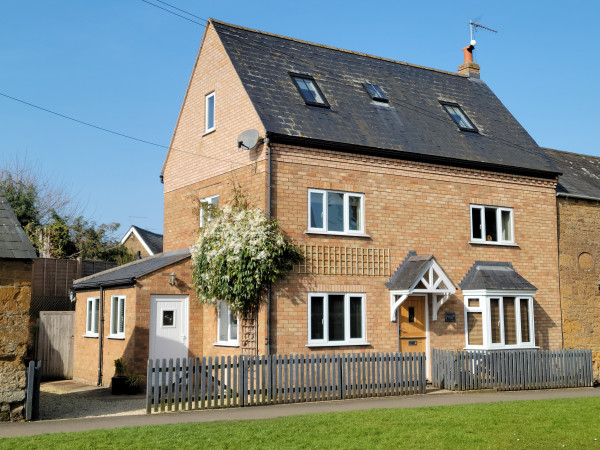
117	316
91	318
210	113
492	225
227	326
207	207
499	321
336	212
336	319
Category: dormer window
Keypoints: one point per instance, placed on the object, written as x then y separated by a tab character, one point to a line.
459	117
309	90
376	93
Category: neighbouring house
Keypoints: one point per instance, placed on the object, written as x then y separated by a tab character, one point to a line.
578	203
16	257
426	213
142	242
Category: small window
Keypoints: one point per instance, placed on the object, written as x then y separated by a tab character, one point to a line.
336	319
168	318
227	331
459	117
208	206
336	212
91	322
491	225
376	93
309	90
117	316
210	112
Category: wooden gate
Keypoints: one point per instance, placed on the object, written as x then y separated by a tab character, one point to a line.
55	344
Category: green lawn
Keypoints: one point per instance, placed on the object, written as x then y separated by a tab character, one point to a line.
569	423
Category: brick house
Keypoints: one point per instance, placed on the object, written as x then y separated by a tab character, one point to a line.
578	204
426	212
142	242
16	259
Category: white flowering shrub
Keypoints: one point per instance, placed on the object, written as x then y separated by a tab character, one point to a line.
237	254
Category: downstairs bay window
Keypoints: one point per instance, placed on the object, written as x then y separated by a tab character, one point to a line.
336	319
499	321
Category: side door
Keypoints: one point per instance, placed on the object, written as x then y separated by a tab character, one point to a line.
168	327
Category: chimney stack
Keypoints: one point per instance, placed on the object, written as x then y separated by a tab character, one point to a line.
468	67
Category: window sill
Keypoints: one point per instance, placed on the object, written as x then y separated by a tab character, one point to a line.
212	130
497	244
225	344
90	336
121	338
506	347
337	344
336	233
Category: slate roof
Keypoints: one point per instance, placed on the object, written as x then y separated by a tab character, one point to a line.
408	271
494	275
14	243
153	240
413	125
128	273
580	174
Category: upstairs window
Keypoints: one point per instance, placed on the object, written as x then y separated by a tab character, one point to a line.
335	212
210	112
459	117
117	316
227	332
208	206
309	90
376	93
92	313
492	225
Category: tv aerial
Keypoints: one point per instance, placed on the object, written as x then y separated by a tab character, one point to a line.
249	139
473	27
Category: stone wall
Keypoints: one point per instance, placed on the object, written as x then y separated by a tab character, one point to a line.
15	299
579	261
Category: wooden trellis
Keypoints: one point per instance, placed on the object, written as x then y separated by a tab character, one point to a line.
345	261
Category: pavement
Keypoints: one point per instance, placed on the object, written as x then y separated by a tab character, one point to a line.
433	398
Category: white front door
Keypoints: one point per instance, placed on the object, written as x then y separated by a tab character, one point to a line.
168	327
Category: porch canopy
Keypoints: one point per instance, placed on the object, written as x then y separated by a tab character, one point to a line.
419	275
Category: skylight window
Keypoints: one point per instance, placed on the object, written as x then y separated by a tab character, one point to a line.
376	93
309	90
459	117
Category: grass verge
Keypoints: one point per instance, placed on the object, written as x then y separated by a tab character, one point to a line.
529	424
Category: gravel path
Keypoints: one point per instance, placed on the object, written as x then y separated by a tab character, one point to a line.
68	400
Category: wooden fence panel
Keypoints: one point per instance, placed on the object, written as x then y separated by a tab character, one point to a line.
512	369
55	344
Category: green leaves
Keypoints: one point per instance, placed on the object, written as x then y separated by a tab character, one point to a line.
238	253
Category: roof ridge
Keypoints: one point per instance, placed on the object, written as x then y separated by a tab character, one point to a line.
146	231
329	47
569	153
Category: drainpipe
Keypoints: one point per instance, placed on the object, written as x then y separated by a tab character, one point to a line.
268	146
100	334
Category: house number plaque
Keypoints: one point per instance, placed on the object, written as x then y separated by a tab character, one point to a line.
450	317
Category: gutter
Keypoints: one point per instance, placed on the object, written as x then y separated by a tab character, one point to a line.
101	284
582	197
268	147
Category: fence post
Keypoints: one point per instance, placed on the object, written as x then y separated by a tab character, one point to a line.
29	393
149	387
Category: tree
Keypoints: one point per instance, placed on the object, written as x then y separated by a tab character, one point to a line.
52	220
238	253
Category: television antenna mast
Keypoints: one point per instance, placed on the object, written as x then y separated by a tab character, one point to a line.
473	26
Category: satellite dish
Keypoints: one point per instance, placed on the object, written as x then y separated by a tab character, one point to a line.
248	139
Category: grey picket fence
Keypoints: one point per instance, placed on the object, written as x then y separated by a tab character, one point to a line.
511	370
32	393
221	382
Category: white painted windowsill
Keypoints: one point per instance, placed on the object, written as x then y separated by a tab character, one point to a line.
225	344
90	335
212	130
338	344
337	233
497	244
117	337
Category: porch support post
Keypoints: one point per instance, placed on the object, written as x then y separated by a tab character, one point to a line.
395	304
438	304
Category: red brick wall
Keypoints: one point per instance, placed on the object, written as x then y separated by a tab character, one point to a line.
201	164
413	206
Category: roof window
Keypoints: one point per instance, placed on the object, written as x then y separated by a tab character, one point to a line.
309	90
376	93
459	117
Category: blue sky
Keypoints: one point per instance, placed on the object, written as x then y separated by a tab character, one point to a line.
124	65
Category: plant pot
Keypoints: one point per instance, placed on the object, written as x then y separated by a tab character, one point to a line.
120	386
